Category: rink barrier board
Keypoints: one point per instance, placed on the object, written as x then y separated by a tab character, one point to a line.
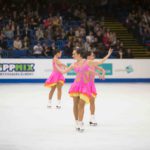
38	70
71	80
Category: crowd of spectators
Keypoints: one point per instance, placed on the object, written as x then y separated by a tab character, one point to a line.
36	28
138	22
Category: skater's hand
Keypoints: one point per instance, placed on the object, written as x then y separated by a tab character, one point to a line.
102	77
110	51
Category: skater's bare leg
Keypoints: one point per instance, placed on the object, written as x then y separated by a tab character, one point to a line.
51	95
59	93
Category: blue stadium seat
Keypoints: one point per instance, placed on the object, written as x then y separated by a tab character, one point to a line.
7	53
9	43
19	53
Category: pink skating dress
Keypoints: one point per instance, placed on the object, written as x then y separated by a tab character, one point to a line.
55	77
80	86
91	83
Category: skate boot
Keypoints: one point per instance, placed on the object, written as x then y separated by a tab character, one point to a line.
49	104
80	127
76	125
58	106
92	121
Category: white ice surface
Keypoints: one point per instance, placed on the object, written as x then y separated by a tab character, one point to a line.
122	113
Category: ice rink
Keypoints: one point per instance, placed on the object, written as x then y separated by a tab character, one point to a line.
122	113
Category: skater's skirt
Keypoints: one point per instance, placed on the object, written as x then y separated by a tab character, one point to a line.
54	79
81	90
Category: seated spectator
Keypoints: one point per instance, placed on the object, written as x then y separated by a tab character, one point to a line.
53	47
47	51
26	43
37	50
39	34
3	43
57	21
47	22
90	37
26	31
8	32
68	49
17	44
106	40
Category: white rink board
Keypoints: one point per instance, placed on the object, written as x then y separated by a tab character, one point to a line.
41	68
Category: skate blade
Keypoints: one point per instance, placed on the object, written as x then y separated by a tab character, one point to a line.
58	107
93	124
79	130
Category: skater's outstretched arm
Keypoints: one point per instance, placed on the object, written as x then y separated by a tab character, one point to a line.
58	62
98	62
66	69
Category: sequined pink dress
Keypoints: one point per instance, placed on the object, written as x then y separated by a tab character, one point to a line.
55	77
81	87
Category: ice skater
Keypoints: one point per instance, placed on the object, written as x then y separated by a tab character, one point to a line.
80	89
91	56
55	80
